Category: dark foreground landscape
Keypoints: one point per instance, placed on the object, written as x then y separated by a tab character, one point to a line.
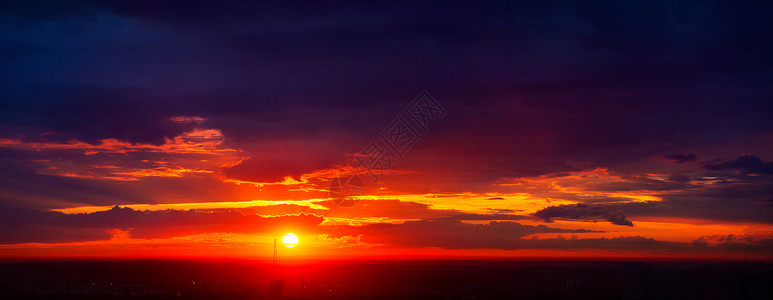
386	280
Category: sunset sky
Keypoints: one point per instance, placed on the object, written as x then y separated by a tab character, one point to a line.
204	129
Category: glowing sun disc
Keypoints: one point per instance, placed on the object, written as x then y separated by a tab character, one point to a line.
290	240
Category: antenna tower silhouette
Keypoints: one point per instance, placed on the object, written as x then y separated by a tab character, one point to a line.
275	254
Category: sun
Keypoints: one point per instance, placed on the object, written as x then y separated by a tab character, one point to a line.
290	240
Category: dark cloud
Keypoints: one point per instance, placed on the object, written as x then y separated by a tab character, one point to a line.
583	212
726	201
681	158
451	234
641	183
276	163
487	217
636	243
746	163
681	178
736	190
748	242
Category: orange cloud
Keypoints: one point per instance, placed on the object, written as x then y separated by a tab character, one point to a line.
201	151
208	141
